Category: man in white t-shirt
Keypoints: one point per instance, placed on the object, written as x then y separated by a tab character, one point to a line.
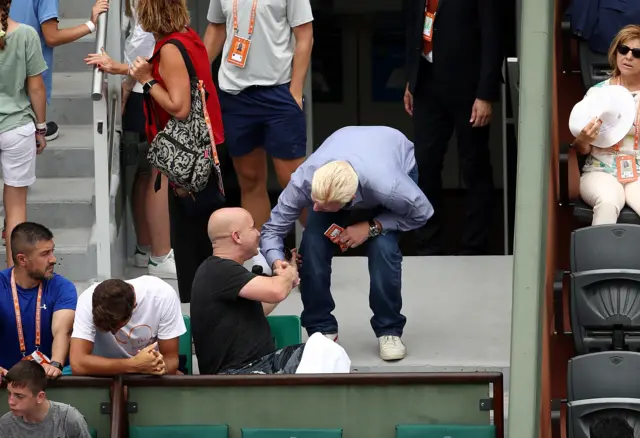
124	327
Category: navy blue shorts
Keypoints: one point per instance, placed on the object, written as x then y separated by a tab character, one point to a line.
266	117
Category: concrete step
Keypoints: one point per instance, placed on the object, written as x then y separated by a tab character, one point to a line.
71	102
76	256
61	202
75	9
70	57
69	156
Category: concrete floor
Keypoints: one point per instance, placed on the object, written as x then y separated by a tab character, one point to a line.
458	313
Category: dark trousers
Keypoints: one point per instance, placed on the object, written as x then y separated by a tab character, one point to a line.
189	238
436	116
385	274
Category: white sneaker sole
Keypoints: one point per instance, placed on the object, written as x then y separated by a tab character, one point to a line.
53	136
393	356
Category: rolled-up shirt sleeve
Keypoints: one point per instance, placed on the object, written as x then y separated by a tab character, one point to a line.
408	208
292	201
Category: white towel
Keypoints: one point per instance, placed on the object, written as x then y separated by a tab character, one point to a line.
323	356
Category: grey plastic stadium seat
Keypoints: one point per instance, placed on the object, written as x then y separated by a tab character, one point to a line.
602	385
614	246
594	66
605	288
605	310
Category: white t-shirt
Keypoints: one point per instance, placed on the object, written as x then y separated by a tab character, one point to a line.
157	315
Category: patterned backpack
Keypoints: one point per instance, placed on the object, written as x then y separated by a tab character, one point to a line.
185	150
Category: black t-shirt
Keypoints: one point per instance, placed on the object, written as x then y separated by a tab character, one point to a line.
228	331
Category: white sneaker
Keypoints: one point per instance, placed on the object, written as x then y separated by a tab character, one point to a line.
331	336
140	258
391	348
165	269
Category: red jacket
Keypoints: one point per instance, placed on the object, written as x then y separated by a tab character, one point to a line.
200	60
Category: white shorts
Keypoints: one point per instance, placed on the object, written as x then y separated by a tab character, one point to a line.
18	155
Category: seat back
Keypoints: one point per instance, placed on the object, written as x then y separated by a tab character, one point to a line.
605	247
601	385
594	66
442	431
285	329
291	433
605	310
182	431
184	349
609	374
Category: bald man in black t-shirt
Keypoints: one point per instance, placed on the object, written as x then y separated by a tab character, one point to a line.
229	304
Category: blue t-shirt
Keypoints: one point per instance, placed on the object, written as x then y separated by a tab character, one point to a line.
34	13
57	294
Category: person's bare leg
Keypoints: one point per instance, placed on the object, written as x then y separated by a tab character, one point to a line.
161	262
138	208
251	170
15	210
284	170
157	215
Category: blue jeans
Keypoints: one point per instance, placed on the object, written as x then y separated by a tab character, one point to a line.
385	274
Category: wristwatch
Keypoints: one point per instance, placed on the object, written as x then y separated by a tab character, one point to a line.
374	228
57	365
146	88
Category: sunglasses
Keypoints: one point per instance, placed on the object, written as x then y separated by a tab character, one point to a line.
623	50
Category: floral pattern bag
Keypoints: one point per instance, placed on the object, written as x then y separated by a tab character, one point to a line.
185	150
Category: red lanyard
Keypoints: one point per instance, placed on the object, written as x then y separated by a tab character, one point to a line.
252	20
636	137
16	307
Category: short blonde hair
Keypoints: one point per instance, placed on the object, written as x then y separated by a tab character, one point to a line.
162	17
627	33
335	181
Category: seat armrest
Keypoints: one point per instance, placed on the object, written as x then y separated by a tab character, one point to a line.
568	174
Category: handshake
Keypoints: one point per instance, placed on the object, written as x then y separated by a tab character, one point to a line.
289	268
149	361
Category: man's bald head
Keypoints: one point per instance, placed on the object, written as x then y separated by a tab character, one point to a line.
233	234
225	221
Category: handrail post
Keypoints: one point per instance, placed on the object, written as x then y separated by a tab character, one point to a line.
102	230
97	86
532	197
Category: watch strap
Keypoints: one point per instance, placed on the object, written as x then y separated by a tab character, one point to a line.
147	86
57	365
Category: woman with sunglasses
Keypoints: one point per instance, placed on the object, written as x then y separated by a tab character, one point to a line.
602	185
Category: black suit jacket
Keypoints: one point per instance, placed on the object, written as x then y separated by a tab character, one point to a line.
467	47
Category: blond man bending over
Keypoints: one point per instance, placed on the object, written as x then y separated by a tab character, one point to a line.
367	168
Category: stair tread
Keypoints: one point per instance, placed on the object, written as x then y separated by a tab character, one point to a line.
73	137
72	84
60	190
73	22
67	240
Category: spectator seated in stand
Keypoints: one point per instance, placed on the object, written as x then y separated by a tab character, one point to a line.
610	140
229	306
31	413
126	327
38	290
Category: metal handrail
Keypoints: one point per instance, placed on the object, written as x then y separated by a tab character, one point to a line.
105	94
97	86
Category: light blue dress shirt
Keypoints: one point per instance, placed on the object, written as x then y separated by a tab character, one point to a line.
382	157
